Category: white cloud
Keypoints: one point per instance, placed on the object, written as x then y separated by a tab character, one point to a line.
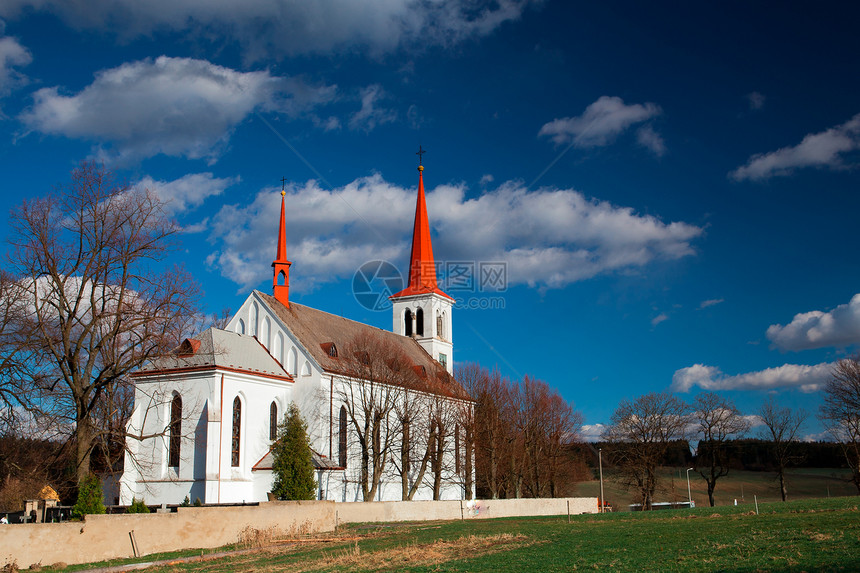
175	106
756	100
659	318
710	302
548	238
267	28
650	139
371	114
824	149
592	432
803	377
818	329
602	122
187	192
12	55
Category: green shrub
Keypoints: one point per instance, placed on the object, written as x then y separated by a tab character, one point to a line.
197	502
137	506
186	502
293	466
90	498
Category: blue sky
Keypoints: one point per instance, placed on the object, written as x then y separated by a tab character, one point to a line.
672	188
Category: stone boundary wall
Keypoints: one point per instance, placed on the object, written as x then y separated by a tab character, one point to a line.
386	511
102	537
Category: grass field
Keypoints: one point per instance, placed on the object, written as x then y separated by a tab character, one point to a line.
738	485
809	535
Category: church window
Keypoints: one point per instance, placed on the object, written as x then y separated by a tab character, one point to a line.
175	430
273	421
329	348
282	278
265	331
407	323
237	428
419	322
240	328
306	369
341	438
279	348
440	331
294	361
443	360
253	319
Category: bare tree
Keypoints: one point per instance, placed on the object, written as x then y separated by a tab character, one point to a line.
443	421
412	412
91	300
369	388
488	390
782	426
841	412
717	420
639	436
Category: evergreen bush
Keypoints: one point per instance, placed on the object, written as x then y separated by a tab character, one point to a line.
90	498
293	466
137	506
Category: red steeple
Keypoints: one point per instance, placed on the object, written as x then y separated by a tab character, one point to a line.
422	266
281	266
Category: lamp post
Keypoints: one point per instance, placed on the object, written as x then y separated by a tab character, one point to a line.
602	503
689	495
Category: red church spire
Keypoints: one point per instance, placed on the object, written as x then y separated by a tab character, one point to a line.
281	266
422	266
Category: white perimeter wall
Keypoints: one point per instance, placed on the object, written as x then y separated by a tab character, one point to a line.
102	537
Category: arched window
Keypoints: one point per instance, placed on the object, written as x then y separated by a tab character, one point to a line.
294	361
279	348
440	330
282	278
407	323
253	319
240	328
175	431
306	368
273	421
264	333
419	322
237	428
341	438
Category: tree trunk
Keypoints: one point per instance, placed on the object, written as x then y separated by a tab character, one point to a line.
470	447
84	434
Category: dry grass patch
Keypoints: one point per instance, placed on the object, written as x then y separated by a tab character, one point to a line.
354	558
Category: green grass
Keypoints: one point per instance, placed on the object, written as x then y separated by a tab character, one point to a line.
808	535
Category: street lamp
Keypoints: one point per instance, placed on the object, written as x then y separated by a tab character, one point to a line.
689	495
600	463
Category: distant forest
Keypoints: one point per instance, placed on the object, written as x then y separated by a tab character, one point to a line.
745	454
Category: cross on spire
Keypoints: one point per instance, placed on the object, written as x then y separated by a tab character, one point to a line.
283	186
420	153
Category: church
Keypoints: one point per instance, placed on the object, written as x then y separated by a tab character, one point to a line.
384	412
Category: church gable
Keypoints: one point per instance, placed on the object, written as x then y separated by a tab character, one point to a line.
326	336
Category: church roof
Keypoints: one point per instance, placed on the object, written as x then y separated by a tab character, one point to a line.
320	462
322	334
215	348
422	265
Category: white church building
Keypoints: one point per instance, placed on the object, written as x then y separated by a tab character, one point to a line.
206	416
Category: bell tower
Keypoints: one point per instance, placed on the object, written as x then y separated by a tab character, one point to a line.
281	266
422	310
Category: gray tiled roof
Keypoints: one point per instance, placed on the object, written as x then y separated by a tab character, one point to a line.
317	330
217	348
320	462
